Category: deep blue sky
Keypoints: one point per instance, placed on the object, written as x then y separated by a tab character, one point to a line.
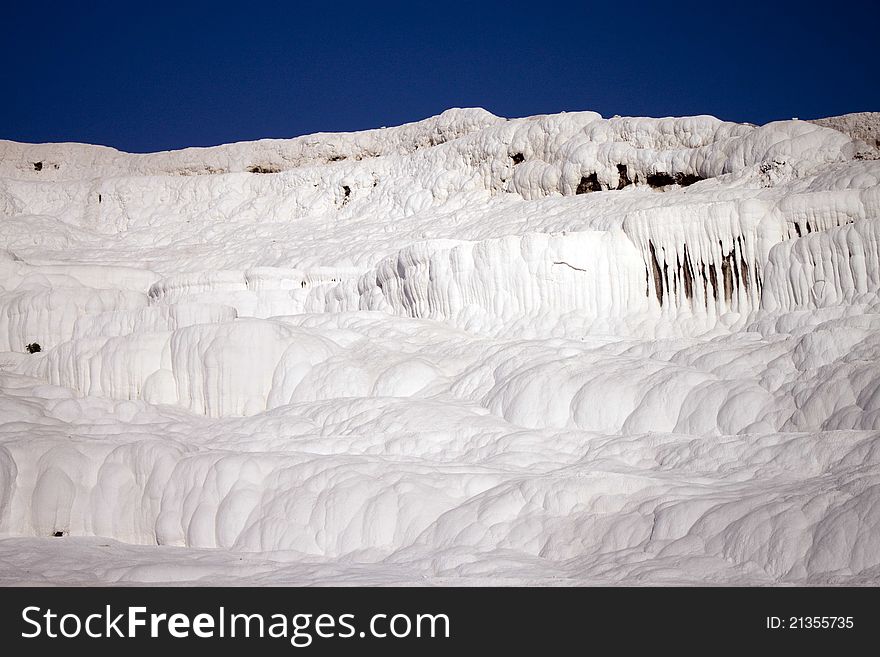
153	75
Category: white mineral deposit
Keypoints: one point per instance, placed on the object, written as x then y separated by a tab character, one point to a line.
558	349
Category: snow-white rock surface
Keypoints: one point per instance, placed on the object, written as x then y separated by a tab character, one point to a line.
468	350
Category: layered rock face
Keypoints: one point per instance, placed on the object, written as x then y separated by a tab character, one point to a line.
557	348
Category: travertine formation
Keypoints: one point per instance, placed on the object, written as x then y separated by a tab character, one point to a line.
552	349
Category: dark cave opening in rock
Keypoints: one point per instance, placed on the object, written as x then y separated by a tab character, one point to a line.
589	184
623	177
686	179
660	179
663	179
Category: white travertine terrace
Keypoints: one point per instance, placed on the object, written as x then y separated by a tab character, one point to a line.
557	349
